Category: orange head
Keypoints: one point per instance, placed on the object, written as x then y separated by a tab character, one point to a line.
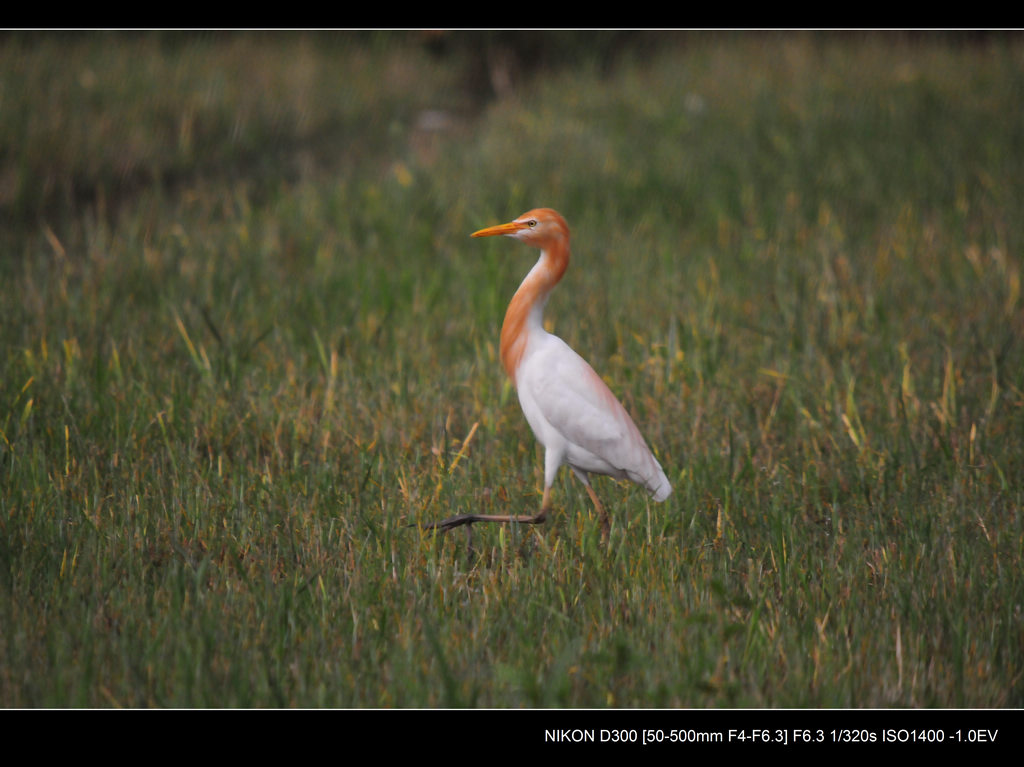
539	227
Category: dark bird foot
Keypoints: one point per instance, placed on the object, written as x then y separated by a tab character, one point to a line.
451	523
467	519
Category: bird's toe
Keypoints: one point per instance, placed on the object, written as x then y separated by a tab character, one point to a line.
452	522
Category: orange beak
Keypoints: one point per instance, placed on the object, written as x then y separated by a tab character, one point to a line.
510	228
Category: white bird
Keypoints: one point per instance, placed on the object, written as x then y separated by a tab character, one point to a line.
572	412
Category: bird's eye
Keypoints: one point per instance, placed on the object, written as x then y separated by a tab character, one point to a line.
532	222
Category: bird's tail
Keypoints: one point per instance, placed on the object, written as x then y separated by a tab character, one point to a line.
658	485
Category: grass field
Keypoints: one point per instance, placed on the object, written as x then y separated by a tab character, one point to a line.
247	341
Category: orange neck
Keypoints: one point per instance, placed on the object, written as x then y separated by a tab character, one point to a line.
525	312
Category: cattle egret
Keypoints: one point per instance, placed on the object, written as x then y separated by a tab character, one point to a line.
572	412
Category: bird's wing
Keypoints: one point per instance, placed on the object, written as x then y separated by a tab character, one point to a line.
578	404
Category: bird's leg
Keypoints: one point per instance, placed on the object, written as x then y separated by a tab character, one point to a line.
468	519
601	513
